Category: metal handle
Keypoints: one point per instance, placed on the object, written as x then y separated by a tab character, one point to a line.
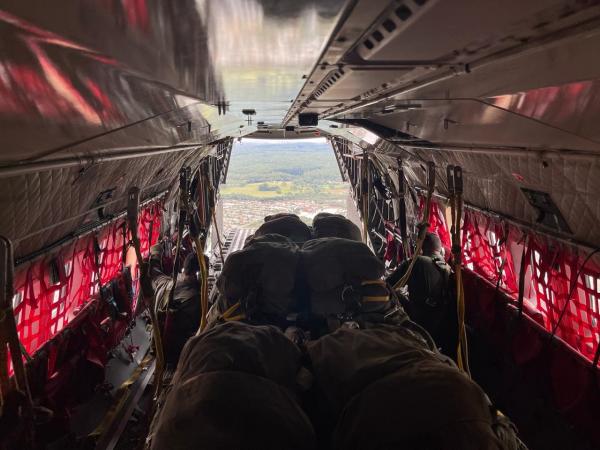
431	176
450	177
458	179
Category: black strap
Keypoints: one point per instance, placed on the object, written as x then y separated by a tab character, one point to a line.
596	356
402	208
522	271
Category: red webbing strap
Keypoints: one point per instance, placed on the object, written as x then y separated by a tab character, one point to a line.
438	223
112	242
422	227
145	282
149	226
391	246
507	266
31	310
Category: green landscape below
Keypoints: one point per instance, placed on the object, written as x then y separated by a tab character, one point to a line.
289	170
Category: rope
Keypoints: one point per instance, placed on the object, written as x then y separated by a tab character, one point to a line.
199	244
522	273
228	316
365	196
146	286
9	340
121	396
402	208
455	188
214	216
423	226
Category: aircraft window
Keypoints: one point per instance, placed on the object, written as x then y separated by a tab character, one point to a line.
593	284
94	285
17	299
103	246
68	266
468	250
542	284
499	262
56	296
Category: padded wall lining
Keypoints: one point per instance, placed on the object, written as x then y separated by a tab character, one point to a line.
494	182
38	207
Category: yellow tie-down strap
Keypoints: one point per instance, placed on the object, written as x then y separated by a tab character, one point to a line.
121	397
228	316
375	298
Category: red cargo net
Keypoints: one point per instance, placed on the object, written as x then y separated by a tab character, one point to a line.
437	223
568	303
585	315
485	250
111	242
149	221
51	291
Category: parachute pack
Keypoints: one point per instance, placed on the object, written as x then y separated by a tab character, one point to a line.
259	370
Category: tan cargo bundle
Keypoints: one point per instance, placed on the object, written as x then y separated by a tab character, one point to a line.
235	388
286	225
386	381
335	225
258	282
343	276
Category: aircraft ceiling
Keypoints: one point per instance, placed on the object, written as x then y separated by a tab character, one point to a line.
509	89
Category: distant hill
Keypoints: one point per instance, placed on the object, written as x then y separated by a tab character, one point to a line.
283	169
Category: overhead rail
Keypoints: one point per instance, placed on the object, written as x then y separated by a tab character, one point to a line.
560	237
547	153
84	232
532	45
22	168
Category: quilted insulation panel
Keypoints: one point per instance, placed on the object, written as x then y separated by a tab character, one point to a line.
40	208
494	182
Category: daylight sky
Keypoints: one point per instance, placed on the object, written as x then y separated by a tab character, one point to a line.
319	140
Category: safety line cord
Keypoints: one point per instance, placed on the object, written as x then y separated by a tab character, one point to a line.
423	226
199	244
146	287
9	340
216	225
455	188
